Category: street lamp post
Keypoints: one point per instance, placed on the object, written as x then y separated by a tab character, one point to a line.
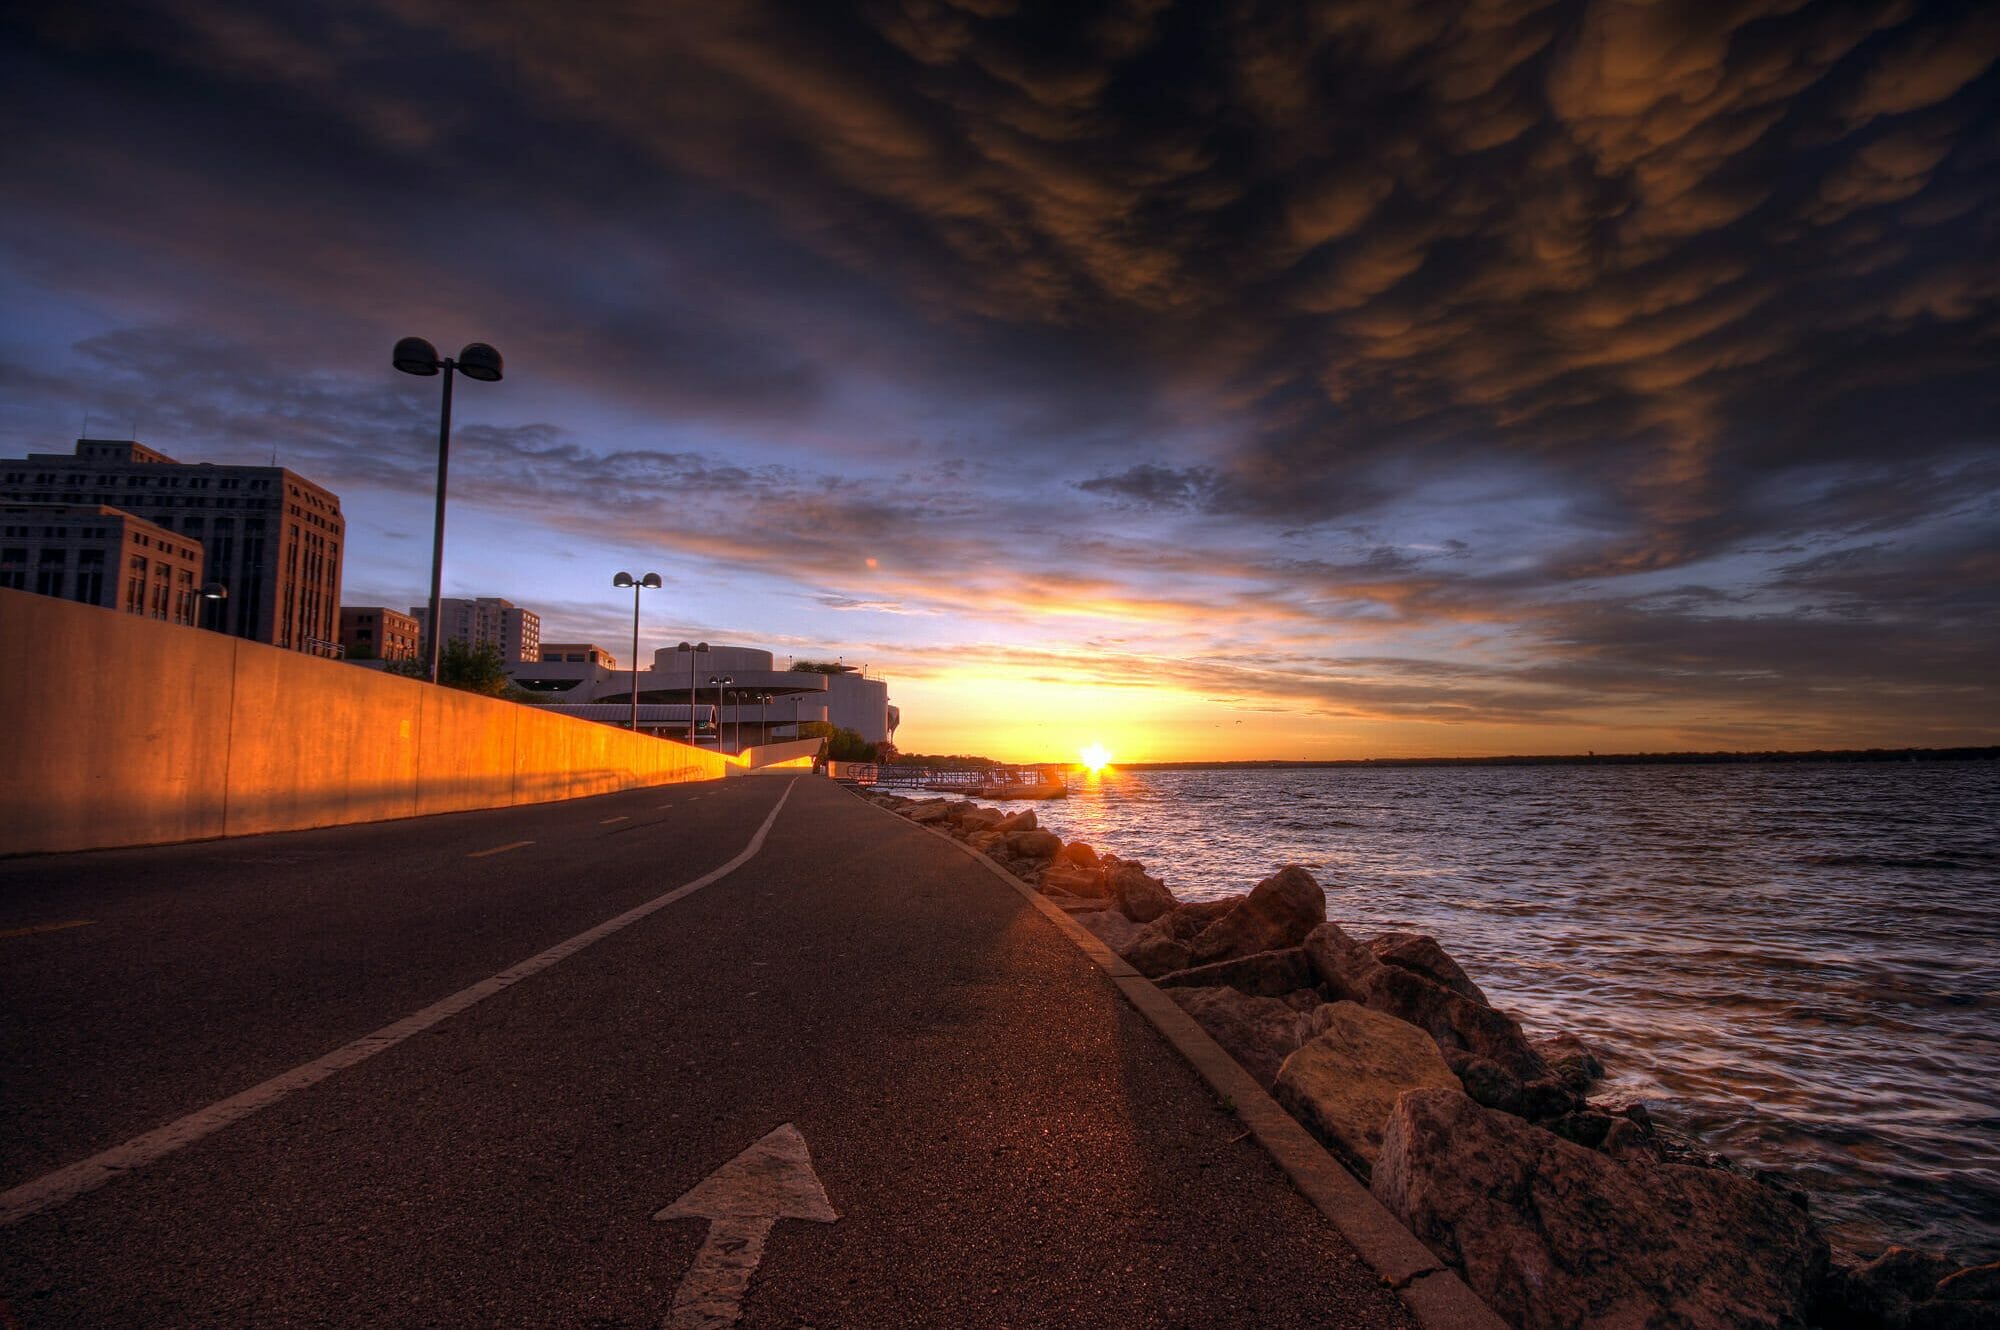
720	682
698	649
650	582
211	593
413	355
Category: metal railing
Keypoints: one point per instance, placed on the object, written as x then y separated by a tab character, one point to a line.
993	782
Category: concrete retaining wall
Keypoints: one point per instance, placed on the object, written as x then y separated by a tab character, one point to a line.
787	758
165	733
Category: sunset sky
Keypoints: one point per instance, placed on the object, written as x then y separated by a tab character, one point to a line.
1208	380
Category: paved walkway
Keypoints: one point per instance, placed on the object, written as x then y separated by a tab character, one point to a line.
1005	1141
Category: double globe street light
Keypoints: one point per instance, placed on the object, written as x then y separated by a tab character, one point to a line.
696	649
763	702
413	355
650	582
721	681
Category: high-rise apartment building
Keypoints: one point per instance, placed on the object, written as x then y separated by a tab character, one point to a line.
271	537
100	556
474	621
376	632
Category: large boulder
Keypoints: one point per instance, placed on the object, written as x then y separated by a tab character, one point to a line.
1033	845
1490	1084
1570	1061
1197	915
1161	947
1157	948
1345	967
1279	912
1062	877
1113	929
1485	1048
1266	974
1140	895
1421	953
1455	1021
1080	854
1259	1032
1550	1234
1021	821
1346	1077
971	817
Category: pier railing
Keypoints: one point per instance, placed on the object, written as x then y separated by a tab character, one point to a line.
995	782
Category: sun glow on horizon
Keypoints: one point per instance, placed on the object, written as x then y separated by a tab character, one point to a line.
1096	757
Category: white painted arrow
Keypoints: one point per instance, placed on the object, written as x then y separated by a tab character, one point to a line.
743	1200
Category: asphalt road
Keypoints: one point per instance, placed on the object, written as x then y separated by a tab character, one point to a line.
1006	1142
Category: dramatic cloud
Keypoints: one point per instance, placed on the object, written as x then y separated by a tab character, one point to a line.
1472	371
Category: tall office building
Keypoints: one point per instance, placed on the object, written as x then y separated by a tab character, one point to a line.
271	537
486	619
376	632
100	556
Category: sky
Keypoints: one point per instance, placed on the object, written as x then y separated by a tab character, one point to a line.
1232	380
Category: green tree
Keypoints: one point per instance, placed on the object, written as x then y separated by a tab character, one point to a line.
842	744
474	669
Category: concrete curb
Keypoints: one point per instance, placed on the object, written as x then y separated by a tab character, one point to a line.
1436	1297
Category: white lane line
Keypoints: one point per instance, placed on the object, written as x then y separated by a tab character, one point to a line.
499	849
607	821
66	1184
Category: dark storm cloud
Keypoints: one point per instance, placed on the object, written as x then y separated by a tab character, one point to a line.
1614	235
1149	485
1706	288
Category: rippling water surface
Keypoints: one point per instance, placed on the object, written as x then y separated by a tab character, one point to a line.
1798	962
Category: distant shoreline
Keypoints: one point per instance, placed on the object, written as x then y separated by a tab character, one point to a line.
1986	754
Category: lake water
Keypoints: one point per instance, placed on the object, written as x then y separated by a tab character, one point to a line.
1798	962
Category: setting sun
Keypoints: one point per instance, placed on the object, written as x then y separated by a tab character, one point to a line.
1096	757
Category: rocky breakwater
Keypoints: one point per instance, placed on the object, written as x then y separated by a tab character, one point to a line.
1559	1210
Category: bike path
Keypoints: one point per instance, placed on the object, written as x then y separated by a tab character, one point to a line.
1005	1141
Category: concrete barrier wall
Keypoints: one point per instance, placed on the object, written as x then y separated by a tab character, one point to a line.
787	758
164	733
